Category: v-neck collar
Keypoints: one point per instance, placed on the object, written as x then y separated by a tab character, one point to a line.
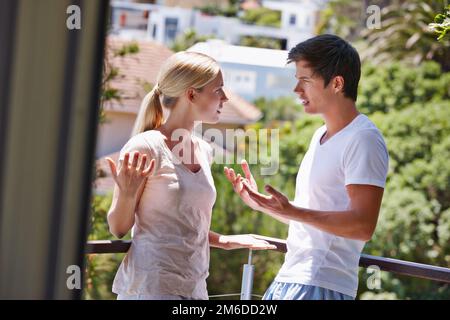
176	160
339	132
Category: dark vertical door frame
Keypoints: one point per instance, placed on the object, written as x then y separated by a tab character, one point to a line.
7	27
71	113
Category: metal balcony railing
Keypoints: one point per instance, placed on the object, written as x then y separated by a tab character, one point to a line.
400	267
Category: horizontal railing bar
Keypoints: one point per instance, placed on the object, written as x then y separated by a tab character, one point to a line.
225	295
107	246
407	268
232	295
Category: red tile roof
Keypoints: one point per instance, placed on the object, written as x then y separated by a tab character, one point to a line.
135	70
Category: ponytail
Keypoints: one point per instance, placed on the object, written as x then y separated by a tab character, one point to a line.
150	115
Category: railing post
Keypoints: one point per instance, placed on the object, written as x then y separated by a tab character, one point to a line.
247	278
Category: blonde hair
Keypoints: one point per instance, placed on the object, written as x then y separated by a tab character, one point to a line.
180	72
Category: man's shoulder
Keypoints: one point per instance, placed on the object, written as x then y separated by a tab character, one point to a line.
365	123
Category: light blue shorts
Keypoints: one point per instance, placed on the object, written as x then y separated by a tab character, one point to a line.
298	291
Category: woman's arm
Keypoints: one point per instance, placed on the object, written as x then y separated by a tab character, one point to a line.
130	183
238	241
214	240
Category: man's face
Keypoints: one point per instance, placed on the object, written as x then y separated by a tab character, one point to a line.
310	89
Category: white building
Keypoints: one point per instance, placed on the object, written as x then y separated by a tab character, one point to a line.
299	15
251	72
163	24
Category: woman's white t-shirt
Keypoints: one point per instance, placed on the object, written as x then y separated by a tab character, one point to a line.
357	154
169	254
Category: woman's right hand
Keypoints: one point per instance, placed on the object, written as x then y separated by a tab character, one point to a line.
129	176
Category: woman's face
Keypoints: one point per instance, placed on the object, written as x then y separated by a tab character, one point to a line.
209	100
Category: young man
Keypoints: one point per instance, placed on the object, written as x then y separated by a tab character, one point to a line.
339	185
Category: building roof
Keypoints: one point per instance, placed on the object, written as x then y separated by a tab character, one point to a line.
224	52
237	110
137	69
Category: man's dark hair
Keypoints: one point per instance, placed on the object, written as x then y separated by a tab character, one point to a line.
330	56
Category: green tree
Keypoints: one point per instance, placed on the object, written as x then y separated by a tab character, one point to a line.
187	40
414	222
262	17
397	86
404	35
230	9
261	42
441	24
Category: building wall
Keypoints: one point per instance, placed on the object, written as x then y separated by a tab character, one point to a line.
229	29
113	134
251	82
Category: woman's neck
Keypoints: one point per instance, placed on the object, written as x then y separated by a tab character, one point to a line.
178	124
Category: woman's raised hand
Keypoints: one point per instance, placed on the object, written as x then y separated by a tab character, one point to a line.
131	174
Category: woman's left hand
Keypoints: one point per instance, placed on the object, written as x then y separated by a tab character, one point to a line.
241	241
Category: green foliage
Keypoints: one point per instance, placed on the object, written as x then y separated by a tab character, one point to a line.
100	268
280	109
229	10
404	35
187	40
260	42
414	222
131	48
262	17
341	17
214	10
397	86
441	25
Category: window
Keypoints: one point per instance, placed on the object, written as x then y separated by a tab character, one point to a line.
292	20
171	26
240	81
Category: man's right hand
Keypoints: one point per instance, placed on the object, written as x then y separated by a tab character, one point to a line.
236	181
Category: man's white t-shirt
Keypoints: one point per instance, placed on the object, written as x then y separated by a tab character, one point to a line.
356	154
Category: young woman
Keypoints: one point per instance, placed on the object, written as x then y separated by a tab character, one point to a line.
164	190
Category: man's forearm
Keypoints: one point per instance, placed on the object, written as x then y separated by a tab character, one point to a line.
347	224
274	215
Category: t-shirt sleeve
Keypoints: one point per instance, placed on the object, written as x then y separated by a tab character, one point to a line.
137	143
366	159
